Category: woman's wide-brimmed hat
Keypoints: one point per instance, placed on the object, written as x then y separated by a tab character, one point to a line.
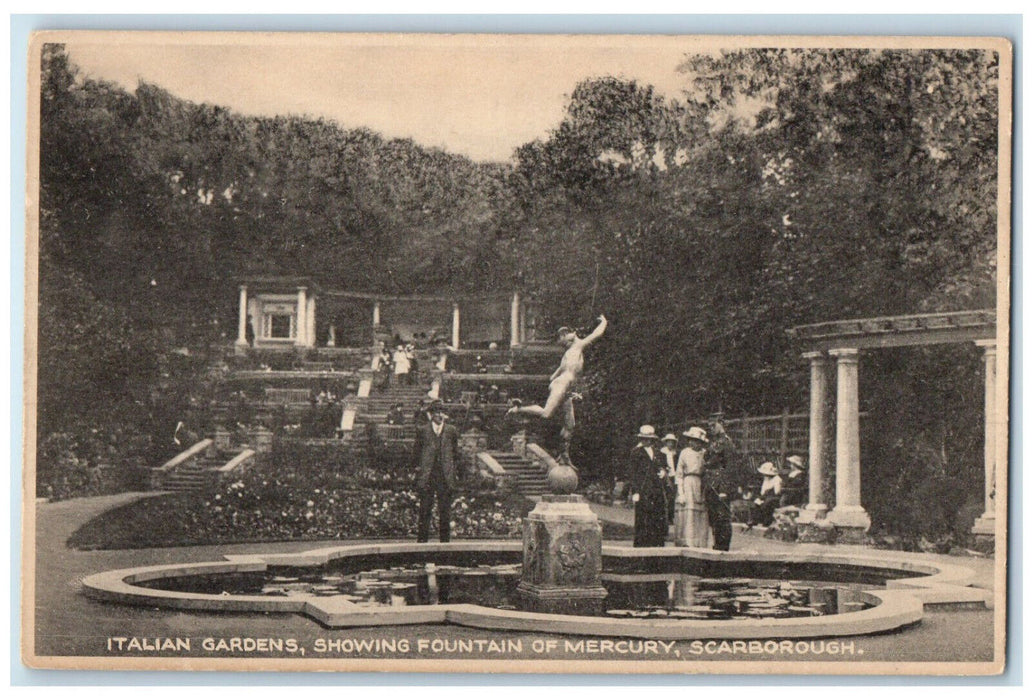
647	431
768	469
669	436
796	461
696	433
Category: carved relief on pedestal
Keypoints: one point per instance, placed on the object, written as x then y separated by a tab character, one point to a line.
572	558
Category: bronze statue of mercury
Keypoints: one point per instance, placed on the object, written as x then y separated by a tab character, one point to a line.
561	384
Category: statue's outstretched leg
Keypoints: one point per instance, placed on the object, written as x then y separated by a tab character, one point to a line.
556	397
517	406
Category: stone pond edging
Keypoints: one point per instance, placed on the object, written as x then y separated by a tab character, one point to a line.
899	604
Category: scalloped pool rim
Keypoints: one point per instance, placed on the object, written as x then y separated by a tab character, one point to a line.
899	604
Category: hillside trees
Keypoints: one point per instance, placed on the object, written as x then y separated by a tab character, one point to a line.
151	208
804	186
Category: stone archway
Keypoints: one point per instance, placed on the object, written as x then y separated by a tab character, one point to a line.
838	344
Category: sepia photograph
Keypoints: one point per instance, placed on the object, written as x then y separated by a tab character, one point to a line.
517	353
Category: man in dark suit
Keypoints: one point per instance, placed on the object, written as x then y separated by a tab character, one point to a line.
647	474
438	471
717	485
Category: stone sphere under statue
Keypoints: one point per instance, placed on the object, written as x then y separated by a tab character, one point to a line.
562	479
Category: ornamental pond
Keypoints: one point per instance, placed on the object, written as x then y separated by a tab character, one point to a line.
641	595
659	593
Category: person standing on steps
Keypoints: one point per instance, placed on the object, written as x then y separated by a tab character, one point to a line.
401	365
414	365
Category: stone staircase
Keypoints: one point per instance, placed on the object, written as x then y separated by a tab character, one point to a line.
526	476
197	474
374	411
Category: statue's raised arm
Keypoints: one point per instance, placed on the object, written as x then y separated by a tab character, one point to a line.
594	335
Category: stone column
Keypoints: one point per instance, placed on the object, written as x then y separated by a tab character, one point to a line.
518	441
310	320
376	314
514	321
436	378
455	325
262	439
817	454
223	438
848	515
242	323
985	525
300	319
471	443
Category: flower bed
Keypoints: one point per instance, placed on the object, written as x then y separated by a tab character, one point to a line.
336	464
267	506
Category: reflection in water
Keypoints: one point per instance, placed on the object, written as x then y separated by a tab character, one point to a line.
682	596
653	595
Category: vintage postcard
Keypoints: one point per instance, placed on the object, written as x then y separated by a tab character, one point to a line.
514	353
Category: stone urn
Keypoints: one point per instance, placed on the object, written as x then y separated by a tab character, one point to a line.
562	478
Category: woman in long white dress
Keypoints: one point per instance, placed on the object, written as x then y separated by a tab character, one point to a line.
401	360
691	527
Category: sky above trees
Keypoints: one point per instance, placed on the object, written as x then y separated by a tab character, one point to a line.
479	98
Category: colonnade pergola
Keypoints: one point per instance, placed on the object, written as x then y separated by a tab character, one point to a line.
838	344
282	311
517	313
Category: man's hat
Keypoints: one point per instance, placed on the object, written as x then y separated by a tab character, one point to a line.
435	406
768	469
647	431
669	436
696	433
796	461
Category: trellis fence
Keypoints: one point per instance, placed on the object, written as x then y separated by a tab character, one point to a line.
760	438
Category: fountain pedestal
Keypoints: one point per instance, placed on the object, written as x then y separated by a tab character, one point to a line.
563	543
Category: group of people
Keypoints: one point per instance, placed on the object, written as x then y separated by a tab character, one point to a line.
681	482
325	397
404	365
778	489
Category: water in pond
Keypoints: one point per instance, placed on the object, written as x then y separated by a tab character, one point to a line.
664	595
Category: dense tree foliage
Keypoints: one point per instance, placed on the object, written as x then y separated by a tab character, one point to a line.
791	187
151	207
783	187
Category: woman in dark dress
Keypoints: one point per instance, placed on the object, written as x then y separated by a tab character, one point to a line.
648	478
